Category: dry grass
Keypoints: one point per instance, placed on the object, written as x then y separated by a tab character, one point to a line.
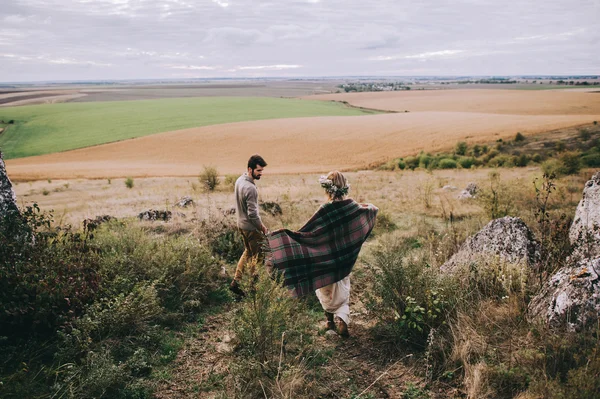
396	193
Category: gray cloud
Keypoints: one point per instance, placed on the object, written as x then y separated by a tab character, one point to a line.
112	39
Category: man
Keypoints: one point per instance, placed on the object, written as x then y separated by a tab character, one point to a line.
249	223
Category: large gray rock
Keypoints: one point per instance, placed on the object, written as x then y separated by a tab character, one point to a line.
585	231
570	299
469	192
8	199
508	238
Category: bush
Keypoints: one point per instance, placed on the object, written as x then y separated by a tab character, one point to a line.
553	167
571	162
274	340
461	148
496	198
401	164
412	162
466	162
230	181
521	160
591	160
209	178
129	182
519	137
407	296
425	161
447	163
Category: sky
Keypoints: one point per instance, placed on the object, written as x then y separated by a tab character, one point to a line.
43	40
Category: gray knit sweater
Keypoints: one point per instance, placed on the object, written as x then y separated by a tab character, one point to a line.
246	203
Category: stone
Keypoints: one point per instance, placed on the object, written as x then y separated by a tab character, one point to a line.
449	188
184	202
469	192
153	214
570	299
8	199
508	238
585	229
271	207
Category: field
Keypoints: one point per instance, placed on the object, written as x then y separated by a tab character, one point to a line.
435	121
45	129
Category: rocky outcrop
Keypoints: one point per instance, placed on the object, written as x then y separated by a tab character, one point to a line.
508	238
570	298
8	199
153	214
184	202
585	230
469	192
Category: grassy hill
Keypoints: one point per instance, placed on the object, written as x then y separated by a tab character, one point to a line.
49	128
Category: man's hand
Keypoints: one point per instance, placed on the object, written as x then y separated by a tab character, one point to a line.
264	229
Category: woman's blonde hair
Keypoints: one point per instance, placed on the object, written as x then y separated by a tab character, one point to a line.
338	179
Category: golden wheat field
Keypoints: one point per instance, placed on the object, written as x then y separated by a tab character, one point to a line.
435	122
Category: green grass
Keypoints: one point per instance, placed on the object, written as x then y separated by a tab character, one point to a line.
50	128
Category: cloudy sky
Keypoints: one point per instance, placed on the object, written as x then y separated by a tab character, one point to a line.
127	39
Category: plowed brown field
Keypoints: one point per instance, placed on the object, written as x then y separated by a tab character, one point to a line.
436	121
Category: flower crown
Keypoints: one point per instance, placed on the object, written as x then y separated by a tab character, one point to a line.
331	188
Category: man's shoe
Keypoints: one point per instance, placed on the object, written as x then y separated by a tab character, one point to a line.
237	291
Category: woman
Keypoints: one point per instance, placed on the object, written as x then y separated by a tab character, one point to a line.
320	255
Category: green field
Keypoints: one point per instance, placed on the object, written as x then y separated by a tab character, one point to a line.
50	128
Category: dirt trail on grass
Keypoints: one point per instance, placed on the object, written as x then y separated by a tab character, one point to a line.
296	145
359	364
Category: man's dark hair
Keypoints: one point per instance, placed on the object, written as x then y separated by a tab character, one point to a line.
256	160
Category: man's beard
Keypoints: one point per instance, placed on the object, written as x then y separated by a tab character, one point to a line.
255	177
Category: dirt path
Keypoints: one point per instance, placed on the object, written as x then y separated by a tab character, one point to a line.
359	366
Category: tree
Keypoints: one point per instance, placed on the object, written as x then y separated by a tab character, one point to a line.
461	148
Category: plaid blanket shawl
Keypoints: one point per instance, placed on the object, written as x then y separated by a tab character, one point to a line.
325	249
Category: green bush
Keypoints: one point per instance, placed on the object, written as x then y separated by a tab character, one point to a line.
447	163
230	181
466	162
521	160
519	137
209	178
591	160
407	295
401	164
553	167
412	162
496	197
129	182
461	148
425	161
571	162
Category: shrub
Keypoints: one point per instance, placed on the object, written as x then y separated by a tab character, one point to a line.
274	336
425	161
129	182
521	160
466	162
477	150
407	296
584	134
519	137
401	164
447	163
496	198
412	162
571	162
591	160
461	148
553	167
209	178
230	181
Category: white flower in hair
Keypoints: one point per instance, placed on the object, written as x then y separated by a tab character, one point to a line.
331	188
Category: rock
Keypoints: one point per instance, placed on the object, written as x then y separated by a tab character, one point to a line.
469	192
570	299
93	224
8	199
331	333
271	207
585	228
184	202
153	214
508	238
449	188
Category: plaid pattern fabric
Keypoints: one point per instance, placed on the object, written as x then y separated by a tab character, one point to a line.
325	249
